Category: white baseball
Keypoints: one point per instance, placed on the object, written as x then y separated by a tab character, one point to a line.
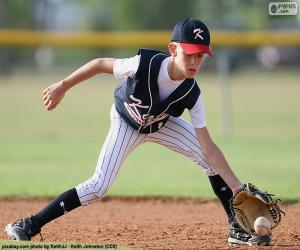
262	226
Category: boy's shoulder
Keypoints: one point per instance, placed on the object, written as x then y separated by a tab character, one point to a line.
150	52
151	57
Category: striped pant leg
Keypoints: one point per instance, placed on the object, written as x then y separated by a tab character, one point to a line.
120	141
180	136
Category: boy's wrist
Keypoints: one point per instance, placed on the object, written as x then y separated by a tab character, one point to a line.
236	189
64	85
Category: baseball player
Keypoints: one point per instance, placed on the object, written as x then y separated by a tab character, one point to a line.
155	90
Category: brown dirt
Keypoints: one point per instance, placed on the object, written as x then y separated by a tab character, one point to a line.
148	223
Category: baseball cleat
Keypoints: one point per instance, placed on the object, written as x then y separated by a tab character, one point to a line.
22	229
237	236
256	240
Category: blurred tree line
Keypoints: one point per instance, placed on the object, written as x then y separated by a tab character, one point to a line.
121	15
138	14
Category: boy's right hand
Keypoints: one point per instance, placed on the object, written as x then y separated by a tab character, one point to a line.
53	95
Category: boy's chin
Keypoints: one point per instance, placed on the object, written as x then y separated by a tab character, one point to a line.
190	74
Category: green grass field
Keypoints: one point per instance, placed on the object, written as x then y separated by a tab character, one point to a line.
44	153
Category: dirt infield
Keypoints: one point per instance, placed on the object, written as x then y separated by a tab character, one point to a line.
148	223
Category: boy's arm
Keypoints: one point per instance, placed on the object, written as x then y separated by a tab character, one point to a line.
54	93
96	66
216	159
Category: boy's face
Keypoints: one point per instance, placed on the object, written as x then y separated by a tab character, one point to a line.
187	64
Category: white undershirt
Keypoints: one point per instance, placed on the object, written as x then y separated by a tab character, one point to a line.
127	67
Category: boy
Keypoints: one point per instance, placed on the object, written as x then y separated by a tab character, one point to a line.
157	87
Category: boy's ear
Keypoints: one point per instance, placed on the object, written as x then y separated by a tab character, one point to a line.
172	49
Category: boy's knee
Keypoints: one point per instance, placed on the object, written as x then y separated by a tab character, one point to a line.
208	170
89	192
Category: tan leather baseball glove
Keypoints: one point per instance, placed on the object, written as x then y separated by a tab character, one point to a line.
251	203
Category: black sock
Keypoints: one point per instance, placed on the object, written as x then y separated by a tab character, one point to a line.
223	192
62	204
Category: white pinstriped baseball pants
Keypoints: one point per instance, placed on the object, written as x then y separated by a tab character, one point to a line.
177	135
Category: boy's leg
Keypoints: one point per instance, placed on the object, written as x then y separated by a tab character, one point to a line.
26	228
62	204
180	136
223	192
121	140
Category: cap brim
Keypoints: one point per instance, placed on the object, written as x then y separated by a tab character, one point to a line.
192	48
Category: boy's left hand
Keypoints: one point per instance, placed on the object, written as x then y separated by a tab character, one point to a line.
53	95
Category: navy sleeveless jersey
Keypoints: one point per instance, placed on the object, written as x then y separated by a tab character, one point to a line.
137	98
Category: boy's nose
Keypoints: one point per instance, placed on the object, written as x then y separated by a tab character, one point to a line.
192	60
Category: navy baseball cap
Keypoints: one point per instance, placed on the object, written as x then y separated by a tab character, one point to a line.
193	36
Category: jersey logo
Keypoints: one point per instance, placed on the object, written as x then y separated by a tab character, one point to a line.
198	32
160	125
142	119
